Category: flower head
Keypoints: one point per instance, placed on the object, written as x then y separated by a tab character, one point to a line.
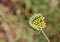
37	21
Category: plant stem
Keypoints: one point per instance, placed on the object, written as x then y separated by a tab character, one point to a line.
45	35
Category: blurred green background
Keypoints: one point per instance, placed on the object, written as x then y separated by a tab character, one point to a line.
14	16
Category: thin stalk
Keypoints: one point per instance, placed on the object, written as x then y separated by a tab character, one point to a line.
45	35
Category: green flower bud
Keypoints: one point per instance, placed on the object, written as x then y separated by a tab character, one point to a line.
37	21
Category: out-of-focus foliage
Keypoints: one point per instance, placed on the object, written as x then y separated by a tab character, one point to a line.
16	13
59	5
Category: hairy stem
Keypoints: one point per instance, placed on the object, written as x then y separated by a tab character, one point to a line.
45	35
